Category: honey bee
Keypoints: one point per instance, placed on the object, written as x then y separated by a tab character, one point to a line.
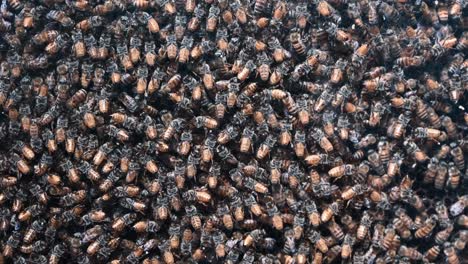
297	44
410	253
415	151
133	204
36	227
61	17
442	236
195	21
124	57
77	98
407	62
330	211
427	228
245	72
12	243
226	217
205	121
254	236
202	196
57	252
212	21
364	226
454	176
279	53
185	48
319	242
346	248
460	205
353	191
195	219
460	242
190	5
185	144
265	147
457	155
171	48
323	101
342	170
21	164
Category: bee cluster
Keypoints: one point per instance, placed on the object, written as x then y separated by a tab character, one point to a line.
216	131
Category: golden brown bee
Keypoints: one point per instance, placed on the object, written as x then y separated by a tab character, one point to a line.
347	246
190	5
325	9
407	62
455	10
319	242
45	36
212	21
54	179
201	196
151	166
140	4
205	121
253	237
102	9
451	255
77	98
265	147
79	47
279	53
299	144
352	192
184	52
285	134
337	72
415	151
195	219
432	253
226	217
89	120
340	171
195	21
280	10
315	159
245	72
262	22
329	212
171	47
387	242
185	144
153	187
173	83
240	13
323	141
364	226
425	230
